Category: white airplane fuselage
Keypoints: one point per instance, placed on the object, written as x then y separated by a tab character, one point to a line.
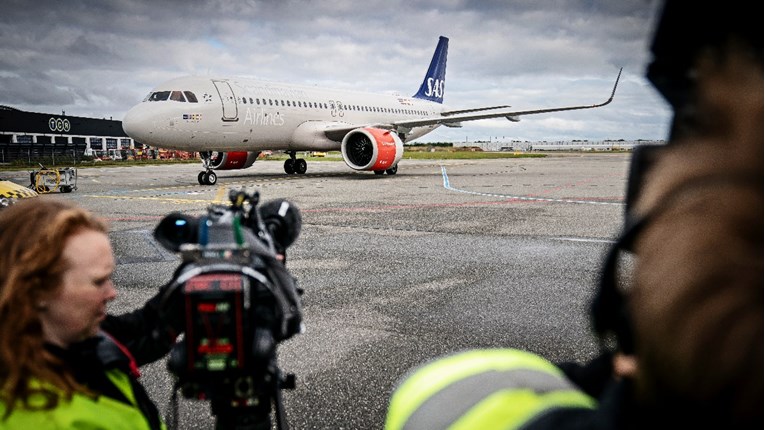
253	115
229	121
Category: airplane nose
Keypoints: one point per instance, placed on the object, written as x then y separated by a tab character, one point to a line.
136	124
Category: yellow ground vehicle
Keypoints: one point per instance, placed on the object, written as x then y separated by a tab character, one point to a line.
49	180
10	192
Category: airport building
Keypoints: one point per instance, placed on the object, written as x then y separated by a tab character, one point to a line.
31	135
559	145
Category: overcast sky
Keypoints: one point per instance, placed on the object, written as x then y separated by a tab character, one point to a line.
98	58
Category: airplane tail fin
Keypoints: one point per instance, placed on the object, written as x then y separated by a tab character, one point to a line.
432	87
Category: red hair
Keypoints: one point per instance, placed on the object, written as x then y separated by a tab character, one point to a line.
33	233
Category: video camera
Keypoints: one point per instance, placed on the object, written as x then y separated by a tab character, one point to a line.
239	301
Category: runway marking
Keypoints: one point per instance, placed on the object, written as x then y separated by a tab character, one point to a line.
194	189
221	195
580	239
449	187
159	199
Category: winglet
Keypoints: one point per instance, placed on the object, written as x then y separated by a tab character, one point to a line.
613	92
432	87
615	84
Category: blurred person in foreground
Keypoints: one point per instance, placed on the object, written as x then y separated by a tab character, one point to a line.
682	336
65	362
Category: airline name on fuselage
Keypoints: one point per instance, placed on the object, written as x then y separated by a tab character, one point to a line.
259	116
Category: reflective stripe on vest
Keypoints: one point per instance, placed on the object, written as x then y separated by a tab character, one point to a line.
481	389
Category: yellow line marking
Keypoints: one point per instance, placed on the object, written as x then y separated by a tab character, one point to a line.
221	196
160	199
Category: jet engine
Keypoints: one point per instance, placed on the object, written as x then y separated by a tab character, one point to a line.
372	149
232	160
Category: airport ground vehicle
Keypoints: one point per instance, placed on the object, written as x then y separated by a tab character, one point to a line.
57	179
10	192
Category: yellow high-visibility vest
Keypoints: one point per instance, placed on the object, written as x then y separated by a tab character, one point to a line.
81	412
482	389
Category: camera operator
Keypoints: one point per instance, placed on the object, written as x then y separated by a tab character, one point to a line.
683	339
65	363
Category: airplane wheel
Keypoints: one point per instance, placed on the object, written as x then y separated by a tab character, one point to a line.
211	178
379	172
201	178
300	166
392	170
289	166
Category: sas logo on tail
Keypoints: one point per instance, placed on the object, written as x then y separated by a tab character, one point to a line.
435	88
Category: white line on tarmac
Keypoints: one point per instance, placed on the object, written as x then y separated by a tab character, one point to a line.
449	187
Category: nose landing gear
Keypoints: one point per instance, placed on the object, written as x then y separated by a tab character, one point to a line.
208	177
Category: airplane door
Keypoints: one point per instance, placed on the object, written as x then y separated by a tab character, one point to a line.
230	110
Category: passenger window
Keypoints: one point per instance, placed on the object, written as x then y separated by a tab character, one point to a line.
244	100
190	97
159	96
177	96
251	101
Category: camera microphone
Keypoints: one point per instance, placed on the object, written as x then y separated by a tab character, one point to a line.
283	221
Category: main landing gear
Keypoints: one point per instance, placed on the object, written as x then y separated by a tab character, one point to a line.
294	165
208	177
391	171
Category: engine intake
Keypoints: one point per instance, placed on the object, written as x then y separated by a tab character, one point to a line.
372	149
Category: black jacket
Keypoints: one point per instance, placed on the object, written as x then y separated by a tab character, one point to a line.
125	343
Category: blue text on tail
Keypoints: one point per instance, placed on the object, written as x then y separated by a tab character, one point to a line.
432	87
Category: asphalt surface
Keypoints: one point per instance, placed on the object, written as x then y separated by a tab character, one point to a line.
397	270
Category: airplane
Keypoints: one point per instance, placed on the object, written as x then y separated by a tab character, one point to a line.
229	121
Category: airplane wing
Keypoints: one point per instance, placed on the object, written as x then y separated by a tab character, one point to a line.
453	118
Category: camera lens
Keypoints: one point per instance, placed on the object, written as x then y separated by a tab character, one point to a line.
176	229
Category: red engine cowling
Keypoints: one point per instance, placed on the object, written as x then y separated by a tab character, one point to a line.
372	149
232	160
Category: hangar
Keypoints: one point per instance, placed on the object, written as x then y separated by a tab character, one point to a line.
32	135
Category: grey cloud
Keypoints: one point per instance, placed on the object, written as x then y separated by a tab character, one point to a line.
87	55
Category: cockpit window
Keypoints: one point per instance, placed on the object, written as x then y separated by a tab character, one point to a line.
159	96
177	96
190	97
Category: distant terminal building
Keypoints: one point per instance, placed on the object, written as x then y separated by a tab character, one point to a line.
31	135
560	145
